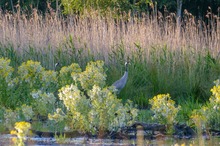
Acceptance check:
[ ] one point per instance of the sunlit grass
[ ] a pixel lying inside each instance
(165, 58)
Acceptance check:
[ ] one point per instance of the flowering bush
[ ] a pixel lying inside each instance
(10, 118)
(213, 111)
(164, 109)
(93, 75)
(43, 103)
(89, 105)
(22, 130)
(27, 92)
(199, 118)
(30, 72)
(48, 81)
(100, 112)
(66, 72)
(16, 87)
(36, 77)
(96, 110)
(107, 110)
(215, 98)
(27, 112)
(5, 70)
(208, 116)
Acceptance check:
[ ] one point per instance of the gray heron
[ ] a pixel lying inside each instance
(120, 84)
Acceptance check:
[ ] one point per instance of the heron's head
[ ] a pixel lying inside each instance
(126, 65)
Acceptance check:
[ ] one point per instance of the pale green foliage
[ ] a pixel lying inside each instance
(49, 81)
(164, 108)
(93, 75)
(61, 139)
(43, 102)
(30, 72)
(97, 109)
(57, 116)
(199, 117)
(68, 6)
(77, 105)
(107, 110)
(24, 112)
(36, 76)
(27, 111)
(102, 110)
(5, 70)
(66, 72)
(73, 6)
(30, 76)
(10, 117)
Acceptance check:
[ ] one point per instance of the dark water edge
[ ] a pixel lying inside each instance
(139, 134)
(6, 140)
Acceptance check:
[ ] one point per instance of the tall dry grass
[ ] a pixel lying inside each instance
(102, 34)
(180, 59)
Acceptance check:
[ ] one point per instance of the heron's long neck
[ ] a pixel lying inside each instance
(125, 76)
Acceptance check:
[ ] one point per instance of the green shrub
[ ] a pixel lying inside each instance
(66, 72)
(213, 106)
(94, 74)
(164, 110)
(74, 6)
(208, 116)
(6, 72)
(92, 107)
(43, 102)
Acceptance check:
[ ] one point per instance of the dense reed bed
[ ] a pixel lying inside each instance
(166, 57)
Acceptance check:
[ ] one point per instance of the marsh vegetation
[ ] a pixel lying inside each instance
(182, 60)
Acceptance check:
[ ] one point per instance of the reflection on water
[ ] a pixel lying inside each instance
(5, 140)
(170, 141)
(139, 140)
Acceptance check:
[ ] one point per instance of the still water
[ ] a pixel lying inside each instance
(6, 140)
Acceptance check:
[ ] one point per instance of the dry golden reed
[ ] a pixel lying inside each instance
(101, 34)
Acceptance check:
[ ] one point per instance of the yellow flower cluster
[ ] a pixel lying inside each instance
(215, 98)
(164, 108)
(22, 130)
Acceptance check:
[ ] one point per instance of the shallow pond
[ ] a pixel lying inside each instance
(6, 139)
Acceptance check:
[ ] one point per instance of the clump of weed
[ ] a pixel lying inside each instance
(91, 106)
(164, 110)
(22, 131)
